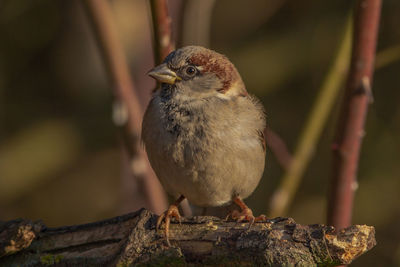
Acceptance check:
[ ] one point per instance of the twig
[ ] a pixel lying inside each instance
(311, 133)
(163, 43)
(350, 131)
(387, 56)
(128, 110)
(278, 148)
(196, 22)
(131, 240)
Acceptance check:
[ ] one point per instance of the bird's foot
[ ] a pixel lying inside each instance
(171, 212)
(246, 214)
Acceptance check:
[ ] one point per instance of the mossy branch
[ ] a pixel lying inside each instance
(131, 239)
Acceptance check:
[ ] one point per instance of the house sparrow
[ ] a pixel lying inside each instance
(203, 133)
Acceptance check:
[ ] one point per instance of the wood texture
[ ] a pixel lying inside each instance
(131, 239)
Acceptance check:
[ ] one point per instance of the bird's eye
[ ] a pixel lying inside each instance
(190, 70)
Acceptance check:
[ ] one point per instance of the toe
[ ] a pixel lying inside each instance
(176, 215)
(261, 218)
(172, 212)
(244, 215)
(251, 220)
(160, 220)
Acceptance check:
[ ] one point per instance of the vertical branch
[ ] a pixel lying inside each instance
(197, 19)
(284, 195)
(163, 43)
(128, 111)
(350, 131)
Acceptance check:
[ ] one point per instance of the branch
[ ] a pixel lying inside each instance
(132, 239)
(197, 22)
(350, 131)
(163, 43)
(387, 57)
(128, 111)
(278, 148)
(310, 135)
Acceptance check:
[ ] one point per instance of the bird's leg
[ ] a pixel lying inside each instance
(246, 214)
(172, 211)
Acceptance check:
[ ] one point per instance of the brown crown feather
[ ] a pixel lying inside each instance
(221, 66)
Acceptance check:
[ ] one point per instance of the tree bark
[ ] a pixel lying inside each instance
(131, 239)
(350, 130)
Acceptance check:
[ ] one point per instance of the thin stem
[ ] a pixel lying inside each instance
(128, 111)
(163, 43)
(278, 148)
(283, 197)
(350, 131)
(387, 57)
(197, 21)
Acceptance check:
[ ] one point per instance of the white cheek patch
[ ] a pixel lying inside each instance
(224, 96)
(236, 89)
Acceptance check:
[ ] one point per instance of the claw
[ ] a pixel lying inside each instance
(245, 215)
(178, 217)
(261, 218)
(227, 216)
(172, 211)
(166, 217)
(159, 220)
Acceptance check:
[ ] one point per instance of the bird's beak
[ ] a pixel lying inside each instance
(163, 74)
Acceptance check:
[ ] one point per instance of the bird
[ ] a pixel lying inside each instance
(204, 133)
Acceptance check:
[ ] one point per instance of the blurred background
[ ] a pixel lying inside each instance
(61, 156)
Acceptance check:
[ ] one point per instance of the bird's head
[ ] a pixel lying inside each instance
(197, 72)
